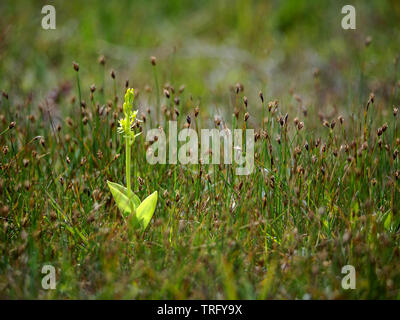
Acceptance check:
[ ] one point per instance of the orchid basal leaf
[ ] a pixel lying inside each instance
(134, 198)
(121, 199)
(146, 209)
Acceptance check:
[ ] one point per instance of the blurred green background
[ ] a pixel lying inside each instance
(208, 46)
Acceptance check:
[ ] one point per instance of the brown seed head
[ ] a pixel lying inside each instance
(102, 60)
(260, 94)
(166, 93)
(371, 97)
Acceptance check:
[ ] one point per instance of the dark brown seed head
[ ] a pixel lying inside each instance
(166, 93)
(395, 111)
(113, 74)
(11, 125)
(300, 125)
(236, 113)
(92, 88)
(188, 120)
(260, 94)
(238, 87)
(371, 97)
(333, 123)
(127, 84)
(76, 66)
(5, 95)
(341, 119)
(176, 101)
(245, 101)
(384, 127)
(196, 111)
(296, 121)
(153, 60)
(102, 60)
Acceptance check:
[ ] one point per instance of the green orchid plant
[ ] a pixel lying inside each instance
(136, 212)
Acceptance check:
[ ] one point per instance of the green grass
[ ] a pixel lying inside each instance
(321, 197)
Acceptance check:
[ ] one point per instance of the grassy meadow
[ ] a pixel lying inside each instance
(323, 102)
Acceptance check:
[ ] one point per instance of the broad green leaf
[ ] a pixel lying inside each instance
(388, 221)
(121, 199)
(146, 209)
(134, 198)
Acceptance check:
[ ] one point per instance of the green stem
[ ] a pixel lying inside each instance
(128, 166)
(157, 94)
(79, 103)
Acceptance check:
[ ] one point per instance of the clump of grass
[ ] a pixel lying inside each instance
(321, 182)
